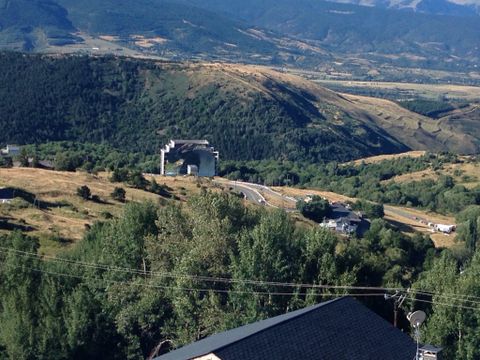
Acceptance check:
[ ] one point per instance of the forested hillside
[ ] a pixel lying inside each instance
(139, 105)
(248, 113)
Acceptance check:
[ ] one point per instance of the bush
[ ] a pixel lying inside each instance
(315, 209)
(119, 175)
(84, 192)
(106, 215)
(118, 194)
(137, 180)
(371, 210)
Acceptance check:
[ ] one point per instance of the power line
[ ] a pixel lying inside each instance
(236, 291)
(97, 266)
(198, 277)
(53, 273)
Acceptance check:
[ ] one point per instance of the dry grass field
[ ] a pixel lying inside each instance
(431, 91)
(64, 217)
(467, 174)
(379, 158)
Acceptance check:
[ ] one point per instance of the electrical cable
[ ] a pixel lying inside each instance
(458, 297)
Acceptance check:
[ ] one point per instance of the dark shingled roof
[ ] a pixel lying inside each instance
(341, 329)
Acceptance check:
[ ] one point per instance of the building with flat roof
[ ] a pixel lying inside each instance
(183, 156)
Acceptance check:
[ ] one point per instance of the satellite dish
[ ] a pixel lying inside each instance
(416, 318)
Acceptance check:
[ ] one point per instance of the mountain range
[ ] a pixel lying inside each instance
(438, 7)
(301, 33)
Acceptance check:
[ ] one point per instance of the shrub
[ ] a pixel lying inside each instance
(118, 194)
(84, 192)
(119, 175)
(315, 209)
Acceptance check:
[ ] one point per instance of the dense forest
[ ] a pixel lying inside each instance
(159, 277)
(136, 106)
(154, 276)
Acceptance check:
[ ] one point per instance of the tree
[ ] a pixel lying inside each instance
(154, 187)
(19, 298)
(118, 194)
(119, 175)
(84, 192)
(6, 162)
(23, 157)
(316, 209)
(137, 180)
(469, 227)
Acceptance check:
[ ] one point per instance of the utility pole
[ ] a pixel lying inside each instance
(398, 299)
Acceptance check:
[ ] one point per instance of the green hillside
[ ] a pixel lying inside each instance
(29, 24)
(248, 113)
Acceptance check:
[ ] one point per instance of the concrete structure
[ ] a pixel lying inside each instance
(429, 352)
(185, 153)
(446, 229)
(11, 150)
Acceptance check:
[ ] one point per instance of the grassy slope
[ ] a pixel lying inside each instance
(63, 222)
(66, 215)
(467, 174)
(379, 158)
(420, 132)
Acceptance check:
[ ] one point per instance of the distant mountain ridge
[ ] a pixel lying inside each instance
(301, 33)
(382, 35)
(437, 7)
(153, 26)
(28, 24)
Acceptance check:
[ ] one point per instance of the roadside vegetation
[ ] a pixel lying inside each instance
(373, 182)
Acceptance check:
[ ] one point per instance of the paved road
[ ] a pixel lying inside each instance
(252, 192)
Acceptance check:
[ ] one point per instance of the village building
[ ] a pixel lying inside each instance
(338, 329)
(345, 221)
